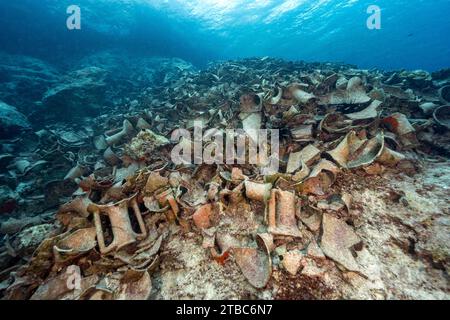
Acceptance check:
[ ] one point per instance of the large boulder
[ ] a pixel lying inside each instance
(24, 80)
(80, 93)
(129, 72)
(12, 121)
(8, 200)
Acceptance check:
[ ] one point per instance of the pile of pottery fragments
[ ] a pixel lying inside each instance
(123, 197)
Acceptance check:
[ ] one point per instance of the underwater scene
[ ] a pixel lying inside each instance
(224, 150)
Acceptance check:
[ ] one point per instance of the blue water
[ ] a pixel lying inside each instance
(413, 35)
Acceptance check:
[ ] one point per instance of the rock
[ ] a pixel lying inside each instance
(208, 239)
(139, 71)
(428, 107)
(441, 74)
(337, 240)
(5, 160)
(12, 225)
(144, 144)
(281, 250)
(417, 79)
(202, 217)
(12, 122)
(24, 80)
(80, 93)
(29, 239)
(8, 200)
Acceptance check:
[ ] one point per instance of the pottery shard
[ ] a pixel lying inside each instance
(368, 113)
(337, 240)
(303, 132)
(237, 174)
(355, 93)
(254, 264)
(312, 221)
(314, 250)
(292, 262)
(282, 214)
(257, 191)
(58, 288)
(202, 217)
(250, 103)
(155, 181)
(12, 122)
(79, 241)
(307, 155)
(135, 290)
(399, 124)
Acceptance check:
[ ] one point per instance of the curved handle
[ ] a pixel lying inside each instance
(100, 238)
(138, 215)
